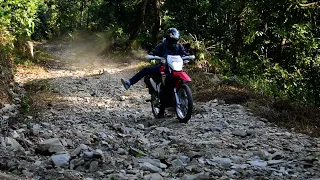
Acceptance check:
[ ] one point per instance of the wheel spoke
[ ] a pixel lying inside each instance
(155, 104)
(185, 103)
(183, 106)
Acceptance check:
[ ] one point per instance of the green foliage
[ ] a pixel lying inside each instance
(25, 105)
(18, 16)
(273, 52)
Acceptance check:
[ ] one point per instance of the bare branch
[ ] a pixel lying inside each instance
(317, 4)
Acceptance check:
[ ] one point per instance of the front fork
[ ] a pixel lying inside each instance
(177, 97)
(163, 74)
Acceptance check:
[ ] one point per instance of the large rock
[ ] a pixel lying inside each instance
(136, 152)
(61, 160)
(51, 146)
(240, 132)
(94, 165)
(178, 163)
(98, 153)
(13, 144)
(76, 162)
(3, 142)
(149, 167)
(8, 108)
(154, 176)
(155, 162)
(78, 150)
(222, 161)
(200, 176)
(259, 163)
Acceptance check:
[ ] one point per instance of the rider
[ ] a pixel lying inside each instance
(169, 46)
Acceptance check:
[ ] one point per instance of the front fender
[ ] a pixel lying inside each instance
(181, 75)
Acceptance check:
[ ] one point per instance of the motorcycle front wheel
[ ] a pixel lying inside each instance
(185, 105)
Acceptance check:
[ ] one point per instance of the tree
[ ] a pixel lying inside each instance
(135, 27)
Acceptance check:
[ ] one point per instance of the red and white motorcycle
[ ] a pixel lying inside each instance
(173, 85)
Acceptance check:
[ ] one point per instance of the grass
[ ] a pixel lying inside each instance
(6, 76)
(40, 95)
(289, 114)
(41, 58)
(4, 95)
(39, 92)
(283, 113)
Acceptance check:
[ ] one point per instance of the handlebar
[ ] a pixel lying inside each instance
(188, 57)
(149, 57)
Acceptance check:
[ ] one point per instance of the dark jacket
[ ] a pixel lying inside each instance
(162, 50)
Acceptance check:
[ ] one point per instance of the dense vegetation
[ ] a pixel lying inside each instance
(271, 45)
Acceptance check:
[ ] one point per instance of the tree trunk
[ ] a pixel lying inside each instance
(238, 37)
(135, 27)
(238, 40)
(88, 14)
(59, 18)
(81, 14)
(157, 21)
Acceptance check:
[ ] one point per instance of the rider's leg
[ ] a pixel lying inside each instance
(166, 93)
(152, 70)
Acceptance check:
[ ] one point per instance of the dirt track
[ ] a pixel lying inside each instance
(104, 131)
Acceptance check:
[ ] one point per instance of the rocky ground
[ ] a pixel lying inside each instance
(94, 129)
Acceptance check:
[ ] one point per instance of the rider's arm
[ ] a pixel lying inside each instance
(158, 50)
(182, 51)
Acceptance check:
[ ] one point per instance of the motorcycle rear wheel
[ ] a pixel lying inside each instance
(157, 109)
(184, 109)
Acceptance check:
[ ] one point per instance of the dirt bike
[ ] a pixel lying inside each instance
(171, 86)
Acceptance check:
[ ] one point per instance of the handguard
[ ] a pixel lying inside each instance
(151, 57)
